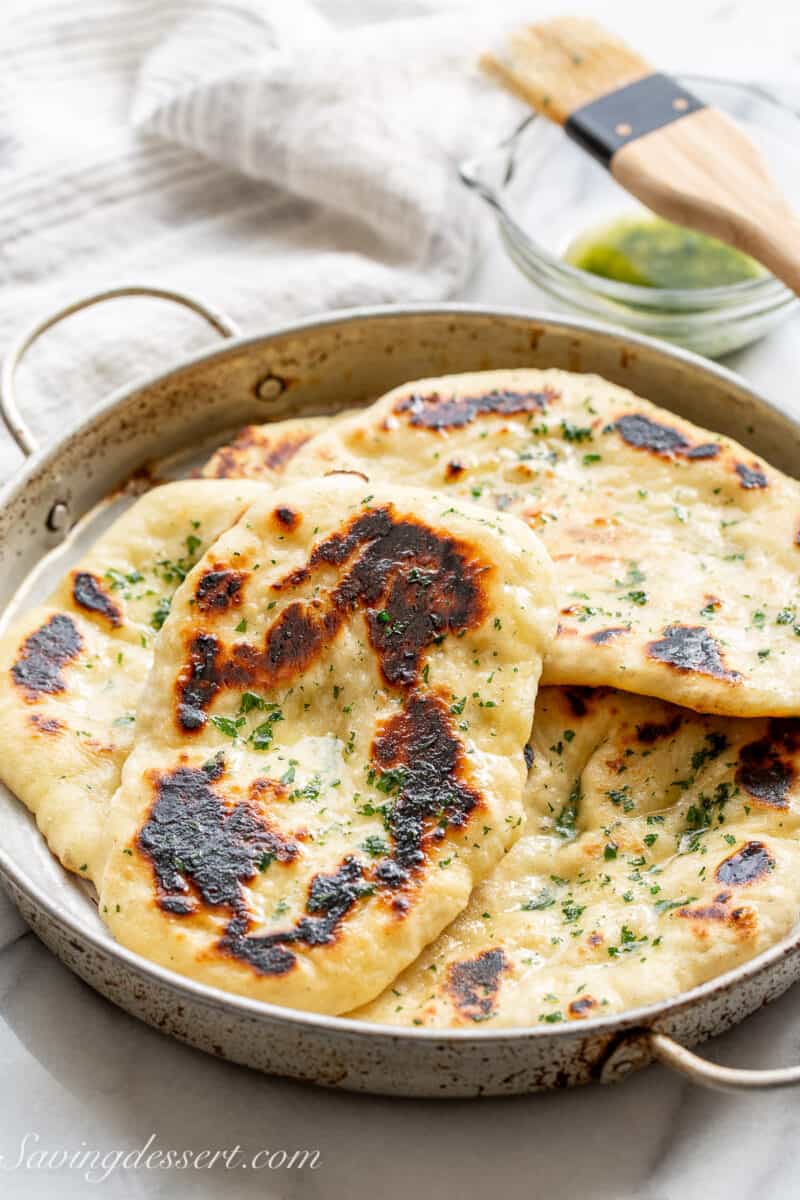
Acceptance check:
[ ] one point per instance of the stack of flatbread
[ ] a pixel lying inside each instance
(284, 717)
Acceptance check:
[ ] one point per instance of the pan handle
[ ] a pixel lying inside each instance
(645, 1045)
(17, 426)
(712, 1075)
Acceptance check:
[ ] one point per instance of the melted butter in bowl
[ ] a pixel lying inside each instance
(647, 251)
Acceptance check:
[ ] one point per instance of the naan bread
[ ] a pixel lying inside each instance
(660, 849)
(263, 451)
(677, 553)
(71, 671)
(329, 750)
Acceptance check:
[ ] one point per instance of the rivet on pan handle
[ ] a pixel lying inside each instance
(645, 1045)
(17, 426)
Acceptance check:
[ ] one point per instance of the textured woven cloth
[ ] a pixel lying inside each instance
(274, 157)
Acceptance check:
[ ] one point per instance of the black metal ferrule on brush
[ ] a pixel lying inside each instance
(608, 124)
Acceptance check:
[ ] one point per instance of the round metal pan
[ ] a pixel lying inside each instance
(322, 365)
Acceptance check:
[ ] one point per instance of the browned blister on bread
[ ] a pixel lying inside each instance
(71, 671)
(676, 550)
(660, 849)
(330, 749)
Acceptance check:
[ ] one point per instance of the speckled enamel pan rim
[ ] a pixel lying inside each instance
(216, 998)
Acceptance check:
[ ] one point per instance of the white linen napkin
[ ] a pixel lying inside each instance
(252, 151)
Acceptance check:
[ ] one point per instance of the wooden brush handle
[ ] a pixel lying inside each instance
(776, 246)
(704, 173)
(689, 163)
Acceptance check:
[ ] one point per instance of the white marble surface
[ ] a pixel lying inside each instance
(75, 1072)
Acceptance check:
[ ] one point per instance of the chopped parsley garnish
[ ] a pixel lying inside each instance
(262, 735)
(628, 943)
(161, 612)
(715, 744)
(665, 906)
(565, 821)
(572, 912)
(120, 581)
(544, 899)
(228, 725)
(575, 433)
(388, 782)
(309, 791)
(621, 796)
(375, 846)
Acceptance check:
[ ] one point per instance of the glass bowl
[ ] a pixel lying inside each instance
(546, 191)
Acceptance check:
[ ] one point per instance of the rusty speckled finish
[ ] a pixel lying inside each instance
(324, 365)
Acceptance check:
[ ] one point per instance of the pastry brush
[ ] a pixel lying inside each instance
(686, 161)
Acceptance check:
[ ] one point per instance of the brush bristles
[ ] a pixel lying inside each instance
(558, 66)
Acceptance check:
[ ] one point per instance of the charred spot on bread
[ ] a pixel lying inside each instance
(651, 732)
(49, 725)
(218, 590)
(751, 477)
(474, 983)
(203, 850)
(579, 1009)
(414, 585)
(580, 699)
(704, 912)
(691, 648)
(198, 681)
(200, 848)
(747, 864)
(768, 766)
(269, 451)
(643, 433)
(89, 594)
(286, 518)
(704, 450)
(601, 636)
(44, 653)
(330, 898)
(437, 412)
(418, 746)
